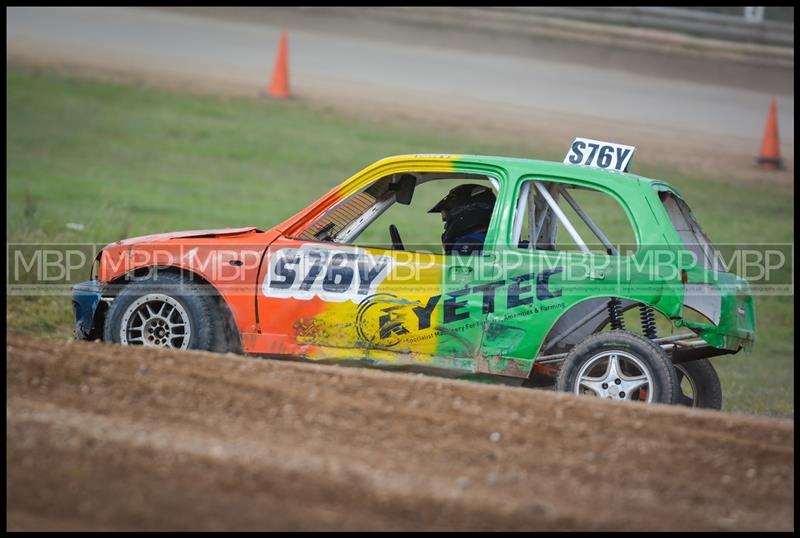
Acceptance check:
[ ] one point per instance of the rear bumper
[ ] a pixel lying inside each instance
(735, 327)
(85, 301)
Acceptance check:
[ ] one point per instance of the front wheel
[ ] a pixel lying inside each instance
(619, 365)
(167, 310)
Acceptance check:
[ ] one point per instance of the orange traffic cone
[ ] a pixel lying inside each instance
(770, 156)
(279, 87)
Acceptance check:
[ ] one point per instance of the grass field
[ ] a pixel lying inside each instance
(125, 161)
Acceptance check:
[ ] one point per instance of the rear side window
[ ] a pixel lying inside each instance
(689, 230)
(563, 217)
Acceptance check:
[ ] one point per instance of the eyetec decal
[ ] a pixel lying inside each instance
(335, 274)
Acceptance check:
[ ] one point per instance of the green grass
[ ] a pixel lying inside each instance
(126, 161)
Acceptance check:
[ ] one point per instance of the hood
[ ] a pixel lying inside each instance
(154, 238)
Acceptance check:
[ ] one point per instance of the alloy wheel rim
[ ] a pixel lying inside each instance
(615, 375)
(156, 320)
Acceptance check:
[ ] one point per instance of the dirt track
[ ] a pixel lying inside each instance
(105, 437)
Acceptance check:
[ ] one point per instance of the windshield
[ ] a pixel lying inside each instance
(337, 219)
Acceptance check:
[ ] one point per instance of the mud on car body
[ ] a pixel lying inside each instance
(525, 309)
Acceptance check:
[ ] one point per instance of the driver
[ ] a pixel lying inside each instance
(466, 212)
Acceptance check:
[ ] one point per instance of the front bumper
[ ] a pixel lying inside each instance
(85, 301)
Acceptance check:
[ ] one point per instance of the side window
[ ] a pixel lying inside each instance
(365, 218)
(563, 217)
(423, 227)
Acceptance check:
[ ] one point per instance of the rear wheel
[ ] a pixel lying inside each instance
(699, 384)
(619, 365)
(166, 310)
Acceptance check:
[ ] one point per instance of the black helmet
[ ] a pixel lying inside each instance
(465, 208)
(472, 218)
(462, 196)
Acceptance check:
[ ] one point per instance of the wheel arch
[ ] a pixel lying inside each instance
(582, 319)
(117, 284)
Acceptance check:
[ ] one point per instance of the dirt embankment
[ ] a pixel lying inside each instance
(105, 437)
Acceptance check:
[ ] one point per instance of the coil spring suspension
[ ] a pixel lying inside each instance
(615, 314)
(648, 321)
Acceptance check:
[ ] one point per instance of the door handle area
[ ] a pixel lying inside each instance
(596, 274)
(460, 271)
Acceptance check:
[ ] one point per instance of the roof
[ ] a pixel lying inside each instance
(533, 166)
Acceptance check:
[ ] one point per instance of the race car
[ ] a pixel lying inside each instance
(525, 287)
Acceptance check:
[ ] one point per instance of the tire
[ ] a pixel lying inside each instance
(167, 310)
(698, 385)
(647, 374)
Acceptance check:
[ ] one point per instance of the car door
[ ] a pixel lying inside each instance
(328, 292)
(564, 258)
(333, 301)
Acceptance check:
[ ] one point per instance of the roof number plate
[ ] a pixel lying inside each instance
(599, 154)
